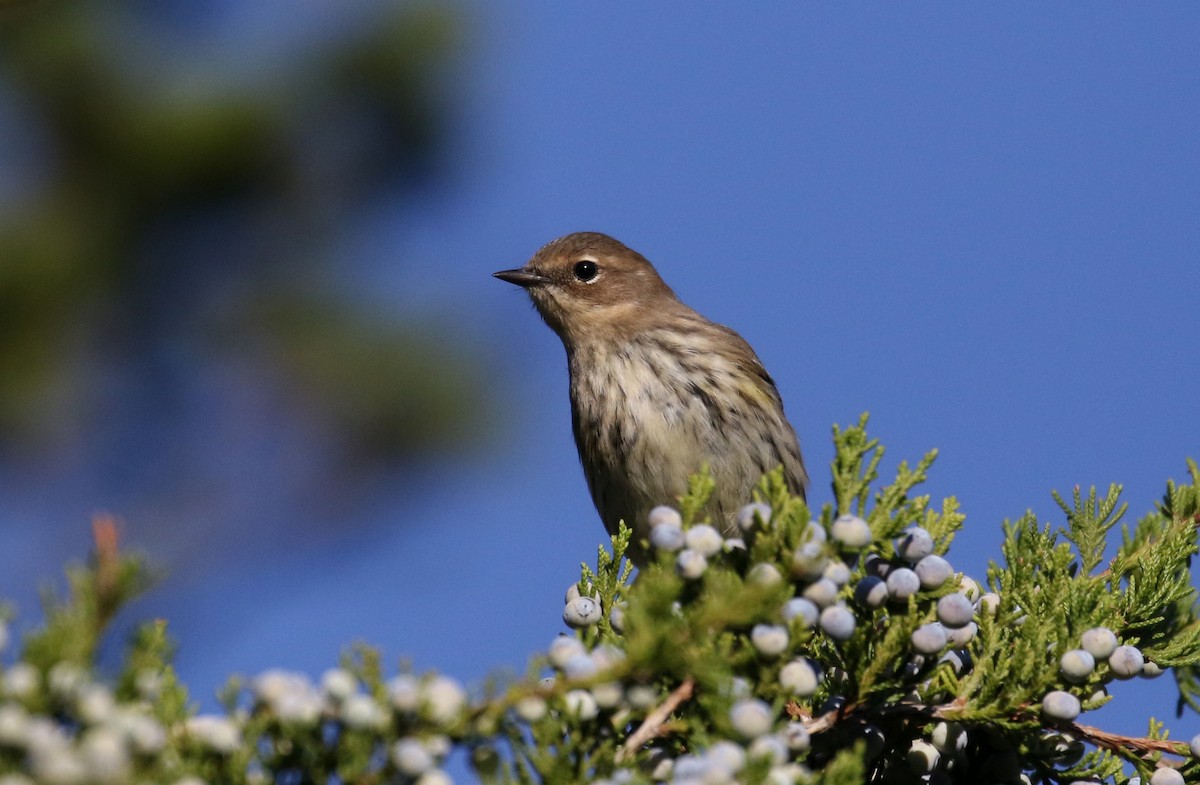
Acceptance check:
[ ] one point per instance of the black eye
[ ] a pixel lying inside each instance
(586, 270)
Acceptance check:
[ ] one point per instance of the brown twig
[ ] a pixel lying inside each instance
(1117, 742)
(108, 566)
(655, 721)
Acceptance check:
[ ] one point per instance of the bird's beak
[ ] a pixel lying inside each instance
(522, 278)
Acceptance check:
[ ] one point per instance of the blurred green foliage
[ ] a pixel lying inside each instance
(182, 202)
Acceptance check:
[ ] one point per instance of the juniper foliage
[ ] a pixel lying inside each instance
(696, 675)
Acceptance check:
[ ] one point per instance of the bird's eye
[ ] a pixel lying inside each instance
(586, 271)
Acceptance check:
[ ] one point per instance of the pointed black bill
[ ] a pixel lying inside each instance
(522, 278)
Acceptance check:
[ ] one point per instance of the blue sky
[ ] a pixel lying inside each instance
(976, 222)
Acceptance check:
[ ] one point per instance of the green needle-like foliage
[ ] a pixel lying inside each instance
(795, 655)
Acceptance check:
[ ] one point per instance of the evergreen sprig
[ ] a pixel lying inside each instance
(791, 646)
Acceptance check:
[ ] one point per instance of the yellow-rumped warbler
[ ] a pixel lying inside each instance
(657, 390)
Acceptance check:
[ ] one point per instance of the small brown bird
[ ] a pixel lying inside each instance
(657, 390)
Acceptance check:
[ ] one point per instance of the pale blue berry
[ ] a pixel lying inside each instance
(1076, 665)
(339, 683)
(929, 638)
(949, 737)
(902, 583)
(933, 571)
(799, 677)
(837, 622)
(667, 537)
(641, 696)
(445, 699)
(562, 649)
(769, 640)
(581, 704)
(959, 660)
(531, 708)
(809, 561)
(361, 711)
(1100, 642)
(871, 592)
(404, 692)
(1060, 706)
(837, 572)
(751, 718)
(581, 612)
(616, 617)
(690, 564)
(580, 666)
(1126, 662)
(915, 545)
(1194, 746)
(434, 777)
(823, 592)
(769, 747)
(727, 754)
(764, 575)
(989, 603)
(608, 695)
(851, 531)
(961, 636)
(411, 757)
(1151, 670)
(955, 610)
(803, 609)
(1165, 775)
(665, 515)
(876, 565)
(815, 532)
(753, 515)
(703, 539)
(797, 737)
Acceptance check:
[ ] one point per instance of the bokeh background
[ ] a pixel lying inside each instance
(246, 304)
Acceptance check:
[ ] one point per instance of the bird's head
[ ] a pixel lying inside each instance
(587, 285)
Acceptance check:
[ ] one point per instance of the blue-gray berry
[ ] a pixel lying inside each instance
(955, 610)
(769, 640)
(690, 564)
(851, 532)
(1076, 665)
(703, 539)
(1165, 775)
(799, 677)
(823, 592)
(751, 718)
(837, 622)
(1100, 642)
(796, 736)
(902, 583)
(871, 592)
(961, 636)
(837, 572)
(803, 609)
(667, 537)
(809, 561)
(933, 571)
(1126, 662)
(915, 544)
(929, 638)
(1060, 706)
(753, 515)
(665, 514)
(581, 612)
